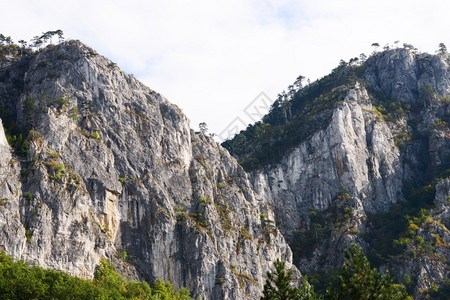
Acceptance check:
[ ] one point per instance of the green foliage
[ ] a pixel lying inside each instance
(29, 110)
(74, 113)
(74, 181)
(28, 196)
(343, 194)
(323, 225)
(19, 281)
(24, 172)
(427, 92)
(410, 236)
(18, 140)
(440, 293)
(108, 278)
(59, 167)
(181, 215)
(267, 226)
(95, 135)
(39, 41)
(200, 220)
(384, 229)
(243, 234)
(278, 286)
(203, 201)
(306, 292)
(224, 213)
(394, 233)
(305, 241)
(401, 139)
(321, 279)
(28, 235)
(391, 232)
(167, 291)
(62, 103)
(19, 137)
(359, 281)
(392, 111)
(58, 171)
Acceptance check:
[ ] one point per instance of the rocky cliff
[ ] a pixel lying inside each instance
(102, 166)
(316, 171)
(94, 164)
(378, 150)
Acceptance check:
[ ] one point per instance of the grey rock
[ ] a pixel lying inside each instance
(113, 167)
(360, 153)
(355, 152)
(400, 74)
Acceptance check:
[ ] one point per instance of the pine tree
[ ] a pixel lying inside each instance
(277, 285)
(307, 292)
(203, 127)
(442, 49)
(359, 281)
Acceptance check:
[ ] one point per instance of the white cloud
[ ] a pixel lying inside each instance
(214, 57)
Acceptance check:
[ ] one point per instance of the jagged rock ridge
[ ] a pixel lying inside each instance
(112, 166)
(387, 131)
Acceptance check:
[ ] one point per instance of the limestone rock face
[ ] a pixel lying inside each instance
(401, 74)
(361, 161)
(3, 142)
(355, 152)
(112, 168)
(103, 166)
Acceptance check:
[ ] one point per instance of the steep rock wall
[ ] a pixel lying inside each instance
(356, 152)
(362, 160)
(114, 167)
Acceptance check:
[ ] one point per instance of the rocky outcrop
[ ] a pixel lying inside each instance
(10, 190)
(425, 263)
(401, 74)
(103, 166)
(356, 152)
(354, 156)
(361, 161)
(112, 169)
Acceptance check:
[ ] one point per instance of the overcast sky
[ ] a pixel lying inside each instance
(213, 58)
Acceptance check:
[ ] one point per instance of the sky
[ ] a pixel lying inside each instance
(224, 62)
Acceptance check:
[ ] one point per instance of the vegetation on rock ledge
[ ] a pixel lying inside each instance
(293, 117)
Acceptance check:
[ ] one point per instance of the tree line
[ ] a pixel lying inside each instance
(10, 51)
(37, 41)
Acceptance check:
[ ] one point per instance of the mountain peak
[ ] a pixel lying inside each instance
(359, 156)
(401, 74)
(97, 165)
(100, 164)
